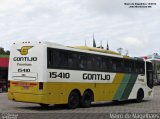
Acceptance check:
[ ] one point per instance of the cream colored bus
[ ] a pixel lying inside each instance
(48, 73)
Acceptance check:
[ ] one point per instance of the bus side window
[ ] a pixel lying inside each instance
(110, 64)
(63, 59)
(113, 66)
(104, 64)
(98, 61)
(149, 74)
(89, 62)
(52, 58)
(141, 67)
(119, 65)
(136, 67)
(95, 62)
(132, 66)
(82, 61)
(72, 60)
(126, 66)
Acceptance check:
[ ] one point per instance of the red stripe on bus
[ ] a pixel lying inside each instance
(33, 84)
(14, 82)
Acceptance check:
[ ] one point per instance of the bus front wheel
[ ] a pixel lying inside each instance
(86, 99)
(140, 96)
(73, 100)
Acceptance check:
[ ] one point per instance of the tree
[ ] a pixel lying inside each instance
(2, 50)
(120, 50)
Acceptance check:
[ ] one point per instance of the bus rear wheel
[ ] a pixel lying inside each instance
(86, 99)
(73, 100)
(140, 96)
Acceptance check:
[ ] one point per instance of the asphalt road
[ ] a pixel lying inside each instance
(97, 110)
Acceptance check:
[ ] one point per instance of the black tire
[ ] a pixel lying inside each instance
(140, 96)
(86, 99)
(73, 100)
(115, 101)
(44, 105)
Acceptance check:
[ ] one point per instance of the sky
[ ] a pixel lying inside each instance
(72, 22)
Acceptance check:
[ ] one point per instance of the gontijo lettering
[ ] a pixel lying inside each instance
(96, 76)
(25, 59)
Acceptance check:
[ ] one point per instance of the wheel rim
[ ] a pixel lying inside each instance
(87, 99)
(74, 100)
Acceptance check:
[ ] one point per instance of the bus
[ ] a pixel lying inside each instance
(156, 71)
(155, 59)
(47, 73)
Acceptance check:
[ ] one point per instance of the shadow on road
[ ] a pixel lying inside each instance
(64, 107)
(117, 103)
(39, 108)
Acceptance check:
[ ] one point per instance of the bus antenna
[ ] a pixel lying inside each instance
(107, 46)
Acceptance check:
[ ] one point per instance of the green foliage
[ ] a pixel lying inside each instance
(3, 52)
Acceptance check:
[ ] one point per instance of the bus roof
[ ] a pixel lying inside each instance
(96, 49)
(84, 49)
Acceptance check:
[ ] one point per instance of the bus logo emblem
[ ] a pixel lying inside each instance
(24, 50)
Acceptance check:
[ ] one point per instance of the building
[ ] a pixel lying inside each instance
(4, 61)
